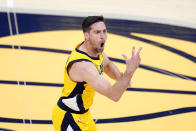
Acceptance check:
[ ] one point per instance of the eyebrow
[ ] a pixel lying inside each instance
(101, 30)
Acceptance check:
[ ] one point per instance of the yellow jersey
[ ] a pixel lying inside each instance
(77, 97)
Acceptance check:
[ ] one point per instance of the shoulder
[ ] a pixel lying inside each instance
(83, 65)
(81, 71)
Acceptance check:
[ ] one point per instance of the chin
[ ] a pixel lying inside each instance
(100, 50)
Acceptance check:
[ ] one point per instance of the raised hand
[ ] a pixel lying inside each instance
(133, 62)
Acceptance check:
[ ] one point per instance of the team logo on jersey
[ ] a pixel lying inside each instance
(101, 68)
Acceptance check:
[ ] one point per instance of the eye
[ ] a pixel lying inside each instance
(97, 32)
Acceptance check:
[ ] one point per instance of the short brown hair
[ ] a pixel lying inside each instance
(88, 21)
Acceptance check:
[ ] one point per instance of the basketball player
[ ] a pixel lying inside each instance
(83, 77)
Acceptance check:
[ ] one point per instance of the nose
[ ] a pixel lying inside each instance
(102, 35)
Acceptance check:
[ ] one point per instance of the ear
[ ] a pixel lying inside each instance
(86, 35)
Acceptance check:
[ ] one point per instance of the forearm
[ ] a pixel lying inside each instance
(112, 71)
(120, 87)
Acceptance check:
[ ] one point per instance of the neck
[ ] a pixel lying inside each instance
(86, 47)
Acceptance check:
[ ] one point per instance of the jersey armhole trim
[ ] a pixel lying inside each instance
(74, 61)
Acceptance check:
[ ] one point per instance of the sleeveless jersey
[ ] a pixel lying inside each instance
(77, 97)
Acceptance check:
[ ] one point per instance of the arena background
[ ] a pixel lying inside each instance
(36, 38)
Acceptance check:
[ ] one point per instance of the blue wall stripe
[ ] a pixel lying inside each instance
(173, 50)
(3, 129)
(36, 48)
(46, 49)
(27, 121)
(125, 27)
(34, 23)
(31, 83)
(38, 22)
(6, 46)
(149, 116)
(129, 89)
(113, 120)
(4, 26)
(162, 91)
(157, 70)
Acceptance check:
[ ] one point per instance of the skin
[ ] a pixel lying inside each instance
(86, 71)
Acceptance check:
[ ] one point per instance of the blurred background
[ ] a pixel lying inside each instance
(36, 38)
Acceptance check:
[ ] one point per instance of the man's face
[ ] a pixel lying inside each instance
(97, 36)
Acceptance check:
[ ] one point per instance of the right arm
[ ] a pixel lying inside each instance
(86, 71)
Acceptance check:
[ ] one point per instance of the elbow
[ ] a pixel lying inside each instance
(115, 98)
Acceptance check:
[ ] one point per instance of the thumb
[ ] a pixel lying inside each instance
(125, 57)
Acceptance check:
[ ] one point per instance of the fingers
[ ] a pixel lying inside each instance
(138, 52)
(133, 50)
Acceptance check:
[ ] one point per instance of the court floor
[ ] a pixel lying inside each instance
(32, 63)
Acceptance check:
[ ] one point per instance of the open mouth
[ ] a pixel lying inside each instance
(102, 44)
